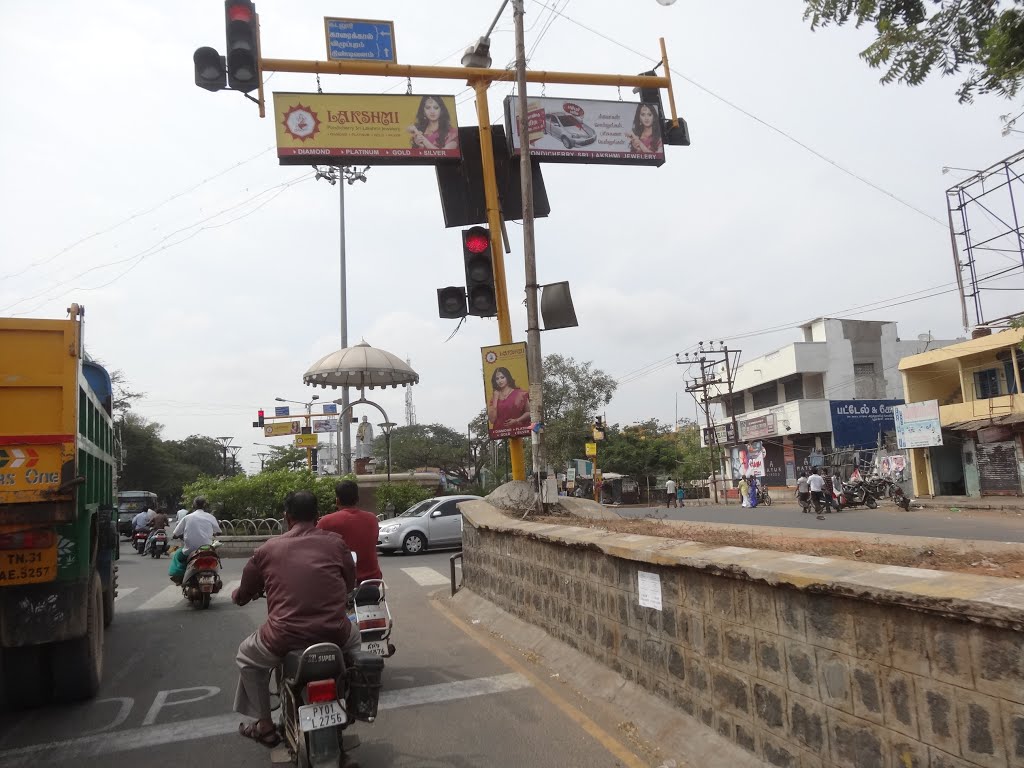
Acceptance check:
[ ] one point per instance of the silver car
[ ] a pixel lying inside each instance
(571, 131)
(434, 522)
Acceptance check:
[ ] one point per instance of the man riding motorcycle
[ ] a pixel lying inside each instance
(357, 527)
(157, 523)
(197, 529)
(306, 575)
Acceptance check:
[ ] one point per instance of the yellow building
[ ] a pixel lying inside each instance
(977, 384)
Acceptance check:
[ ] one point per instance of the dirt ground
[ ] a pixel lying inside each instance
(979, 562)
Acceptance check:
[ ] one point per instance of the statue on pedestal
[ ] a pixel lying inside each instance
(364, 440)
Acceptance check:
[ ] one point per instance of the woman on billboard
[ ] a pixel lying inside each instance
(646, 133)
(433, 128)
(509, 405)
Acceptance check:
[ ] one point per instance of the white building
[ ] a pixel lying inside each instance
(789, 399)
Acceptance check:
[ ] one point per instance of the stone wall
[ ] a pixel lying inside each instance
(801, 668)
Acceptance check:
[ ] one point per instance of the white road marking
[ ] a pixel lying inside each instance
(112, 742)
(426, 577)
(124, 592)
(165, 598)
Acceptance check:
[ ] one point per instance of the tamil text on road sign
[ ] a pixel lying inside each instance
(281, 428)
(337, 127)
(306, 441)
(360, 40)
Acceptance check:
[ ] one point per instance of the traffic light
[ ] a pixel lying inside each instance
(314, 457)
(476, 252)
(451, 302)
(651, 95)
(210, 69)
(243, 61)
(672, 136)
(259, 418)
(598, 428)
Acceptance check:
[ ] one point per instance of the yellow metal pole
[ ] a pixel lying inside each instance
(471, 74)
(515, 444)
(259, 92)
(668, 76)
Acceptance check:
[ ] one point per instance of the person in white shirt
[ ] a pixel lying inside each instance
(670, 493)
(197, 529)
(816, 483)
(181, 515)
(803, 492)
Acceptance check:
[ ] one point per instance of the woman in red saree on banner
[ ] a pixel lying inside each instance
(433, 128)
(646, 133)
(509, 406)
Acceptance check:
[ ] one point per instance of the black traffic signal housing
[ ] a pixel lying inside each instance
(314, 457)
(259, 419)
(476, 253)
(598, 428)
(672, 136)
(243, 58)
(451, 302)
(210, 69)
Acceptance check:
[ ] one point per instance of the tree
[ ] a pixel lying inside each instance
(285, 457)
(649, 449)
(427, 445)
(573, 394)
(915, 37)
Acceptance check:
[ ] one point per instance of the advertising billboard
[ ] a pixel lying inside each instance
(589, 131)
(506, 390)
(918, 425)
(339, 128)
(860, 423)
(325, 425)
(282, 428)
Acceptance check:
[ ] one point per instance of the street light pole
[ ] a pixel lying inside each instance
(534, 359)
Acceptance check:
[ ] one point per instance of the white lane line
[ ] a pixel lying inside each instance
(165, 598)
(124, 592)
(426, 577)
(222, 725)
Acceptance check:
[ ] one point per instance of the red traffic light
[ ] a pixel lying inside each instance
(476, 240)
(240, 12)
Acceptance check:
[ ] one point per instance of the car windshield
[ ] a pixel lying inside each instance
(572, 122)
(418, 510)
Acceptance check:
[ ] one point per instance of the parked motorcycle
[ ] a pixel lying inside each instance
(159, 544)
(139, 540)
(883, 487)
(369, 611)
(763, 497)
(202, 578)
(322, 693)
(857, 494)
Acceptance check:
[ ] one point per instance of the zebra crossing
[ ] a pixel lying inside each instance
(165, 598)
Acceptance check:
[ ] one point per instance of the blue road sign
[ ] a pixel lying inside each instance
(280, 410)
(360, 40)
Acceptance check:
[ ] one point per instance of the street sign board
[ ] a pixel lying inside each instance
(360, 40)
(306, 441)
(591, 449)
(330, 408)
(281, 410)
(281, 428)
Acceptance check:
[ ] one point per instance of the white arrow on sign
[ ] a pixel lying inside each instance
(19, 457)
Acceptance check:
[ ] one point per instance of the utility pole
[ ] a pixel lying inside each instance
(703, 385)
(534, 359)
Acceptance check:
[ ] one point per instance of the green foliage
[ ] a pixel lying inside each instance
(285, 457)
(573, 394)
(426, 445)
(650, 449)
(261, 495)
(402, 494)
(916, 37)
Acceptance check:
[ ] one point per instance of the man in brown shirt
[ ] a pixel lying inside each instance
(306, 575)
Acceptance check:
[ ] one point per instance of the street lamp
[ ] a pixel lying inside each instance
(386, 427)
(224, 443)
(263, 458)
(947, 168)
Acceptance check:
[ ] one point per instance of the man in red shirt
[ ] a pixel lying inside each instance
(307, 575)
(357, 527)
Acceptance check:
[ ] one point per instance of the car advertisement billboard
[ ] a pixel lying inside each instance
(340, 128)
(506, 390)
(588, 131)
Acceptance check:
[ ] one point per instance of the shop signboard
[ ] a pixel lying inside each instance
(917, 425)
(860, 423)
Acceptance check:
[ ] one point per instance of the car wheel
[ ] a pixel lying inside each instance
(414, 544)
(567, 142)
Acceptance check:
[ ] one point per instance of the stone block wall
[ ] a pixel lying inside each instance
(801, 678)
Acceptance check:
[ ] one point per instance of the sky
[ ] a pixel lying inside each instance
(209, 272)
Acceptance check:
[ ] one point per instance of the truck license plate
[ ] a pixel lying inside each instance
(27, 566)
(328, 714)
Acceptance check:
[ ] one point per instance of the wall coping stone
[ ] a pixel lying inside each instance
(982, 599)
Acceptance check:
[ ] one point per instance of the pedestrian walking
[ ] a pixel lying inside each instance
(830, 497)
(803, 492)
(744, 488)
(817, 485)
(670, 493)
(681, 495)
(753, 491)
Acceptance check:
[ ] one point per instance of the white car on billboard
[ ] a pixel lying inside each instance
(571, 131)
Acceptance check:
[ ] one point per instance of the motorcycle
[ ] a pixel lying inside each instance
(158, 543)
(882, 487)
(856, 495)
(139, 538)
(763, 497)
(202, 580)
(323, 692)
(369, 610)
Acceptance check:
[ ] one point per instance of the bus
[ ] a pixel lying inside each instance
(129, 504)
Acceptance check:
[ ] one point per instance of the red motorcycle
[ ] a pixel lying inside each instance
(202, 578)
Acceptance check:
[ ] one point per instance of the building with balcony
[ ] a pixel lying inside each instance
(833, 389)
(977, 386)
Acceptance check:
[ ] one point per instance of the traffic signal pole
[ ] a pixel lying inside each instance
(481, 79)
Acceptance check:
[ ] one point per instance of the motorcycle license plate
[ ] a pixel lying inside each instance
(327, 714)
(206, 580)
(378, 647)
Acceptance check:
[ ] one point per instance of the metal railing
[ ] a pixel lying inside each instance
(265, 526)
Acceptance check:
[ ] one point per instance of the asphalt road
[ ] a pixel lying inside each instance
(968, 524)
(450, 698)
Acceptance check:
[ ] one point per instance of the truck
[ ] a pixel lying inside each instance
(58, 535)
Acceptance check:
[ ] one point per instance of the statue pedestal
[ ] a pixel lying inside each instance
(361, 466)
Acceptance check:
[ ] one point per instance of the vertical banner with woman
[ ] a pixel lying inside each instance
(506, 390)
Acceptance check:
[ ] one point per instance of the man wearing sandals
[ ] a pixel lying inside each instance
(306, 575)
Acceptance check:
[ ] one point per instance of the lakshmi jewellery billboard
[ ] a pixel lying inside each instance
(588, 131)
(340, 128)
(506, 389)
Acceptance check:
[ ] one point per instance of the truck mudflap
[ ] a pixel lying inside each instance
(32, 614)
